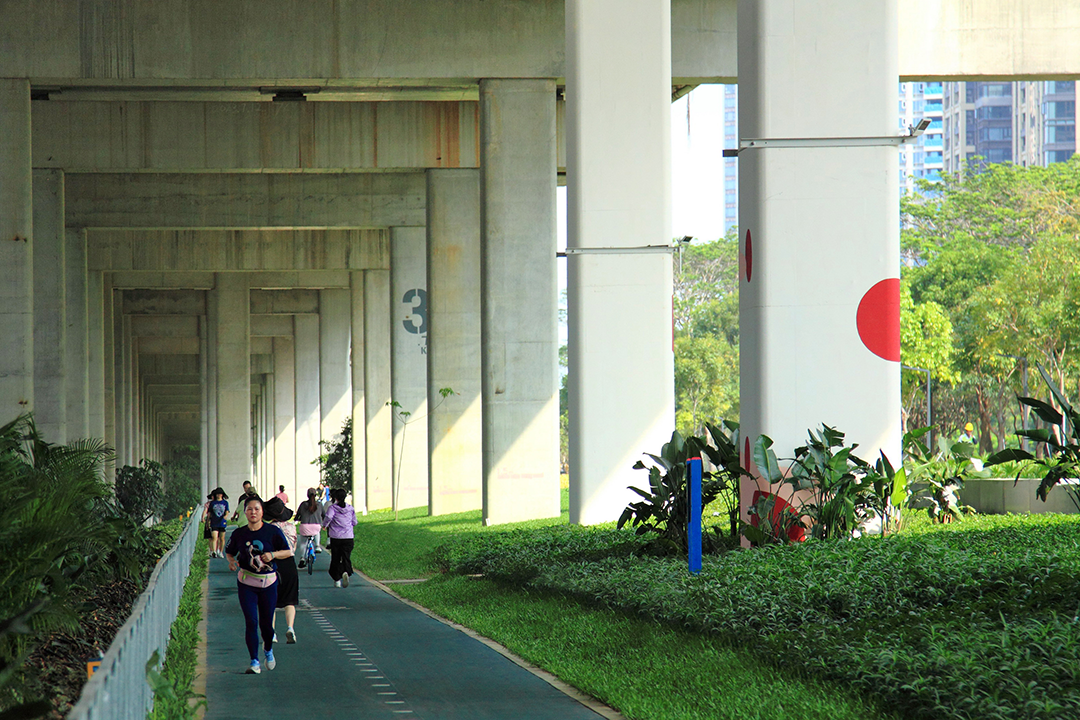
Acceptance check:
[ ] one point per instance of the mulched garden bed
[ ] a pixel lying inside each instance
(56, 670)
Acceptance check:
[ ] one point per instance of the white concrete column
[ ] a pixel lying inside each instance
(213, 477)
(123, 381)
(335, 377)
(95, 325)
(233, 327)
(16, 252)
(204, 407)
(285, 417)
(308, 415)
(108, 319)
(359, 390)
(518, 307)
(77, 359)
(819, 226)
(455, 424)
(50, 326)
(409, 331)
(621, 365)
(379, 432)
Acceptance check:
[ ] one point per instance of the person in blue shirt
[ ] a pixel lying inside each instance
(252, 552)
(217, 510)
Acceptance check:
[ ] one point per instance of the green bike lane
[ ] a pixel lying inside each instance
(363, 653)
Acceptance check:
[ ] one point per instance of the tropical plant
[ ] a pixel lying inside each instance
(182, 490)
(939, 476)
(1060, 461)
(405, 418)
(833, 492)
(139, 490)
(664, 508)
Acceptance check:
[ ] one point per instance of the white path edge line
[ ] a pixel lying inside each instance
(605, 711)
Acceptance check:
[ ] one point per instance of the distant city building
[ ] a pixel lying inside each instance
(922, 158)
(731, 169)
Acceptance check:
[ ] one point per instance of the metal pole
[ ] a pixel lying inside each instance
(693, 528)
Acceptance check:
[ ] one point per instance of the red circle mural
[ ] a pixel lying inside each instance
(748, 256)
(746, 454)
(878, 319)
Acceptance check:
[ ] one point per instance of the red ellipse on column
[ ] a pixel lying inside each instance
(878, 319)
(748, 255)
(746, 454)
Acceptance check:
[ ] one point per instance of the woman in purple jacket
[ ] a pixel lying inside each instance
(339, 521)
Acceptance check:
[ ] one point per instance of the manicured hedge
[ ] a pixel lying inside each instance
(976, 620)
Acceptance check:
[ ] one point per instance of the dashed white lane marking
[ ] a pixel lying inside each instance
(362, 663)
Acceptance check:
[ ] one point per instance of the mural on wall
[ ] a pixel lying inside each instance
(416, 318)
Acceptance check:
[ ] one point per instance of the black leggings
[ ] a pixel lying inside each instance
(258, 606)
(340, 557)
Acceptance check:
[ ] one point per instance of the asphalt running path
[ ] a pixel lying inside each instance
(362, 653)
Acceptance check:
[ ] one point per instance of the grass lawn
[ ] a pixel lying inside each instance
(642, 668)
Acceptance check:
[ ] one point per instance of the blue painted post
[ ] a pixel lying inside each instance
(693, 530)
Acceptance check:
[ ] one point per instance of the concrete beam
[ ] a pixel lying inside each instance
(165, 326)
(247, 250)
(165, 302)
(284, 302)
(245, 201)
(251, 136)
(271, 326)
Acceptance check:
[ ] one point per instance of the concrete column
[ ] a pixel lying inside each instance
(377, 388)
(455, 423)
(109, 370)
(308, 415)
(120, 360)
(16, 252)
(77, 369)
(95, 354)
(204, 408)
(233, 326)
(518, 306)
(50, 326)
(213, 478)
(409, 332)
(335, 377)
(359, 390)
(819, 226)
(621, 365)
(285, 417)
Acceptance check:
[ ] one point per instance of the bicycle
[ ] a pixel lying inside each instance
(309, 555)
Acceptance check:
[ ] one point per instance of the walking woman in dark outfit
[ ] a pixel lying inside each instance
(339, 522)
(288, 595)
(252, 552)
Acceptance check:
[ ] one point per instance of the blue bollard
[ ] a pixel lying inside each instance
(693, 529)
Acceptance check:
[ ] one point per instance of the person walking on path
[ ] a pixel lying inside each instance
(217, 510)
(242, 501)
(310, 514)
(288, 595)
(339, 521)
(252, 553)
(282, 495)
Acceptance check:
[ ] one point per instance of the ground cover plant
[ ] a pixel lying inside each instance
(971, 620)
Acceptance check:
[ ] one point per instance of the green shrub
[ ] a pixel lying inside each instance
(335, 465)
(139, 490)
(182, 488)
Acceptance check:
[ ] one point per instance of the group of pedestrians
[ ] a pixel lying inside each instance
(262, 551)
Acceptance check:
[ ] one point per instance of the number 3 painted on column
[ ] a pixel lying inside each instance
(419, 297)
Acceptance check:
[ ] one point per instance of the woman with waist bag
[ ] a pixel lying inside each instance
(251, 553)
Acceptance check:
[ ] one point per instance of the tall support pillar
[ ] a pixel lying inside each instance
(409, 330)
(379, 433)
(233, 329)
(204, 408)
(285, 418)
(455, 424)
(123, 385)
(308, 414)
(518, 300)
(211, 390)
(335, 380)
(108, 322)
(359, 392)
(16, 251)
(50, 294)
(95, 354)
(819, 317)
(78, 358)
(621, 365)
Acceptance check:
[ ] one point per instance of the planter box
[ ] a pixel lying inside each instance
(998, 495)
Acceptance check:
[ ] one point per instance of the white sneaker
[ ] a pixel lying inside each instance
(290, 636)
(254, 669)
(275, 638)
(337, 583)
(318, 549)
(271, 663)
(345, 580)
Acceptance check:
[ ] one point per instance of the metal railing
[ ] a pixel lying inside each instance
(118, 690)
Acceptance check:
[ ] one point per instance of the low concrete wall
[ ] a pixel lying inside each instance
(1000, 495)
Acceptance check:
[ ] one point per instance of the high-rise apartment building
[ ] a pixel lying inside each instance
(922, 158)
(731, 169)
